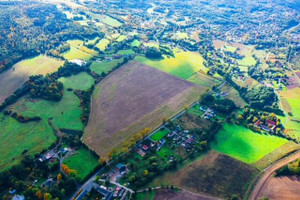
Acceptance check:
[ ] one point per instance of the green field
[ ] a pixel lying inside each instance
(243, 144)
(104, 66)
(160, 134)
(126, 52)
(145, 195)
(121, 38)
(184, 65)
(195, 111)
(110, 21)
(78, 51)
(83, 161)
(247, 61)
(65, 113)
(81, 81)
(135, 43)
(102, 44)
(16, 137)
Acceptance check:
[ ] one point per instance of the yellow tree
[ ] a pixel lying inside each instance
(101, 161)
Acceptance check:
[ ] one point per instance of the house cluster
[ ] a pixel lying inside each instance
(268, 126)
(209, 113)
(146, 145)
(182, 137)
(117, 173)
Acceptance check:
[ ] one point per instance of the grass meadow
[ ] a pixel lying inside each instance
(17, 137)
(78, 51)
(184, 65)
(104, 66)
(243, 144)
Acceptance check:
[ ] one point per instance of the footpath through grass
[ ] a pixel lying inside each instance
(243, 144)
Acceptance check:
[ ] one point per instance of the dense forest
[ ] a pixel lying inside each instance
(30, 28)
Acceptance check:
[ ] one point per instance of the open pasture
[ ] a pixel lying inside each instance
(65, 113)
(184, 65)
(132, 98)
(17, 138)
(243, 144)
(13, 78)
(202, 79)
(104, 66)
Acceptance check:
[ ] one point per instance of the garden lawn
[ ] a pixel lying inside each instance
(104, 66)
(160, 134)
(195, 111)
(16, 137)
(243, 144)
(145, 195)
(184, 65)
(165, 153)
(81, 81)
(83, 161)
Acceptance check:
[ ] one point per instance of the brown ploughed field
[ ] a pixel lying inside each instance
(132, 98)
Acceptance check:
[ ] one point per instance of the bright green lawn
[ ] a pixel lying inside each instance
(83, 161)
(184, 65)
(160, 134)
(16, 137)
(104, 66)
(247, 61)
(243, 144)
(81, 81)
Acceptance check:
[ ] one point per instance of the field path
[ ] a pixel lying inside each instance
(267, 173)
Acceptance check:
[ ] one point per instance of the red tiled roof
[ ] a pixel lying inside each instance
(270, 122)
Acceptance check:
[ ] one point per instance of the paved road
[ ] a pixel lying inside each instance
(268, 172)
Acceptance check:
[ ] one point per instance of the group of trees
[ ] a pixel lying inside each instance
(292, 168)
(45, 87)
(153, 53)
(225, 106)
(21, 118)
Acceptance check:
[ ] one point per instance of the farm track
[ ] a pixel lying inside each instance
(264, 177)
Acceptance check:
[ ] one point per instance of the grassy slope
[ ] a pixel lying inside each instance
(78, 51)
(16, 137)
(81, 81)
(245, 145)
(83, 161)
(13, 79)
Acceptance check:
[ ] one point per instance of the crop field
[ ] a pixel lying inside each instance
(17, 138)
(212, 175)
(104, 66)
(83, 161)
(110, 21)
(160, 134)
(78, 51)
(184, 65)
(102, 44)
(243, 144)
(134, 97)
(65, 113)
(13, 78)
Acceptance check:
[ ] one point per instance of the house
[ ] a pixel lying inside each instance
(18, 197)
(271, 123)
(145, 147)
(121, 167)
(78, 62)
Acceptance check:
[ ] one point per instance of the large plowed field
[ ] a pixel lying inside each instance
(134, 97)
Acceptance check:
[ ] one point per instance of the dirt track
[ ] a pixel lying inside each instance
(262, 185)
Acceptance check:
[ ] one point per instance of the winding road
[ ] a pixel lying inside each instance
(266, 174)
